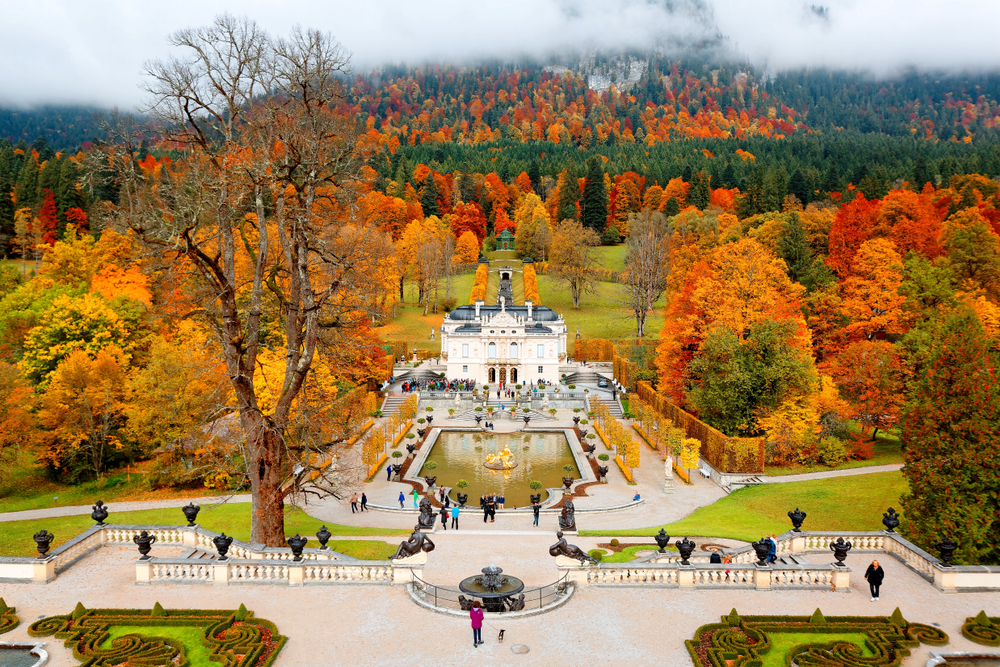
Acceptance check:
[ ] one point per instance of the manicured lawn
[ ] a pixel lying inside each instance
(231, 518)
(191, 637)
(841, 503)
(629, 553)
(888, 449)
(783, 642)
(610, 257)
(601, 314)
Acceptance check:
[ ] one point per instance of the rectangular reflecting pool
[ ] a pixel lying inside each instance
(540, 456)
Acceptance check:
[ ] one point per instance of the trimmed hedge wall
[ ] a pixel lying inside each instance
(235, 638)
(982, 629)
(743, 640)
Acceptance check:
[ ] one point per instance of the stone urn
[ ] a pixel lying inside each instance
(297, 544)
(479, 418)
(947, 548)
(583, 434)
(576, 420)
(662, 539)
(762, 549)
(463, 498)
(603, 471)
(420, 433)
(567, 482)
(100, 512)
(222, 543)
(396, 470)
(409, 451)
(191, 512)
(430, 418)
(323, 535)
(840, 549)
(590, 449)
(536, 498)
(145, 542)
(890, 520)
(431, 481)
(526, 418)
(797, 517)
(43, 539)
(685, 547)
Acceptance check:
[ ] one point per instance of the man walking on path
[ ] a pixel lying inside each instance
(354, 503)
(444, 518)
(402, 499)
(535, 507)
(364, 501)
(486, 509)
(454, 517)
(874, 574)
(388, 473)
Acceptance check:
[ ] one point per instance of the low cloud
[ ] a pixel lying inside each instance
(93, 52)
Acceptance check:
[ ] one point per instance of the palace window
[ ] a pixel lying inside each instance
(492, 351)
(513, 350)
(541, 370)
(465, 350)
(541, 351)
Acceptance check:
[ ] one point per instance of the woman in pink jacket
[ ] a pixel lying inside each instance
(476, 614)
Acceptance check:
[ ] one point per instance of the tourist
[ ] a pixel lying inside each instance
(388, 473)
(493, 511)
(444, 518)
(715, 558)
(402, 499)
(535, 508)
(772, 554)
(500, 503)
(486, 510)
(454, 517)
(614, 394)
(354, 503)
(874, 574)
(364, 502)
(441, 493)
(635, 498)
(414, 499)
(476, 614)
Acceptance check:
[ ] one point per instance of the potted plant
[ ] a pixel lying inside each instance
(572, 386)
(534, 485)
(479, 408)
(421, 421)
(603, 457)
(576, 410)
(461, 484)
(584, 421)
(451, 411)
(397, 454)
(430, 409)
(552, 411)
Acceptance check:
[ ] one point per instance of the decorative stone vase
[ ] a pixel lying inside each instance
(479, 418)
(323, 535)
(43, 539)
(603, 471)
(568, 482)
(430, 418)
(947, 548)
(840, 549)
(431, 481)
(100, 512)
(463, 498)
(191, 512)
(297, 544)
(409, 451)
(536, 498)
(396, 470)
(762, 549)
(576, 420)
(420, 434)
(583, 434)
(685, 547)
(145, 542)
(797, 517)
(890, 519)
(527, 418)
(222, 543)
(662, 539)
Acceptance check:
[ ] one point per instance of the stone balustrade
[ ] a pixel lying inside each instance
(675, 575)
(239, 571)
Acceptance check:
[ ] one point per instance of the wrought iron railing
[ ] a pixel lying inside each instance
(447, 597)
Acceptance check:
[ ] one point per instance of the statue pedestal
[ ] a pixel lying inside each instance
(429, 529)
(416, 559)
(569, 563)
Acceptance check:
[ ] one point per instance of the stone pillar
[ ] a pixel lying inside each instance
(762, 578)
(842, 579)
(221, 573)
(190, 537)
(143, 571)
(797, 543)
(296, 574)
(944, 578)
(576, 572)
(685, 576)
(44, 569)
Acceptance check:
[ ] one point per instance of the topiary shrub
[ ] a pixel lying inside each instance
(411, 435)
(615, 542)
(603, 457)
(397, 454)
(577, 410)
(534, 485)
(479, 408)
(430, 465)
(517, 386)
(8, 617)
(421, 421)
(569, 467)
(461, 484)
(572, 386)
(597, 554)
(584, 421)
(982, 629)
(429, 409)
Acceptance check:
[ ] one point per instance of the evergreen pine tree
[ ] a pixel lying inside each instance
(701, 191)
(534, 174)
(921, 175)
(686, 174)
(798, 186)
(671, 208)
(728, 179)
(594, 205)
(832, 182)
(26, 191)
(793, 247)
(568, 191)
(428, 197)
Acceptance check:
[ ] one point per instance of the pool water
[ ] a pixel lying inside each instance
(540, 456)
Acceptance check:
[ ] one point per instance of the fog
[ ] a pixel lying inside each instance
(93, 52)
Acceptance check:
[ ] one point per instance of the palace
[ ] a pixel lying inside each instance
(514, 344)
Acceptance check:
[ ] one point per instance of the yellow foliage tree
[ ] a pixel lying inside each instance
(467, 249)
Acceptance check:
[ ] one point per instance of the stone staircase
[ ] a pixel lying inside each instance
(584, 377)
(391, 404)
(614, 407)
(746, 481)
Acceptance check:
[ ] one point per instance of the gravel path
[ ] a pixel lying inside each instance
(113, 507)
(782, 479)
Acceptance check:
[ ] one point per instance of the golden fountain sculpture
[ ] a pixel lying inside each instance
(502, 461)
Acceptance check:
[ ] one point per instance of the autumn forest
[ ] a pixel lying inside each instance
(823, 249)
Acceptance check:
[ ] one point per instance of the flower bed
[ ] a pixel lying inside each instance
(835, 641)
(233, 638)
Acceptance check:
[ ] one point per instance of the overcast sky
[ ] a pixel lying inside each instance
(92, 52)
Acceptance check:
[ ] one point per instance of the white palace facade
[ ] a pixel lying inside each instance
(513, 344)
